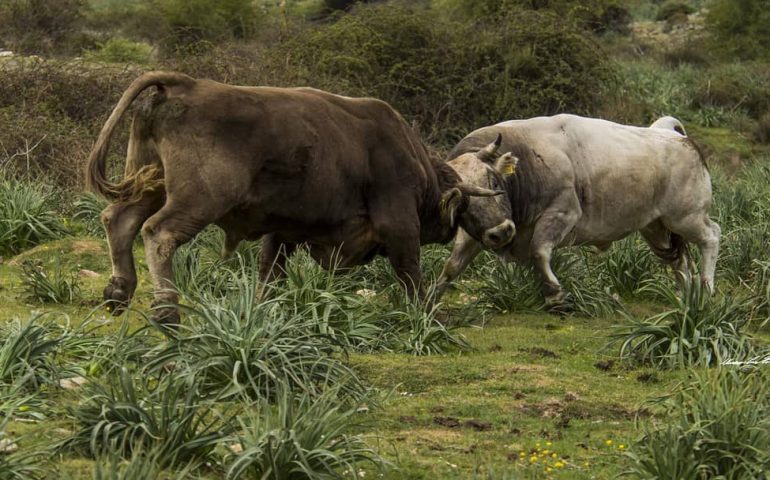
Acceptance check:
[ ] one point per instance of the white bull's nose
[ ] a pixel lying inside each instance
(500, 235)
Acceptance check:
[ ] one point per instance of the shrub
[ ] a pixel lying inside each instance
(52, 112)
(27, 216)
(762, 131)
(698, 331)
(734, 86)
(301, 437)
(53, 286)
(425, 67)
(738, 28)
(41, 26)
(673, 7)
(120, 50)
(715, 426)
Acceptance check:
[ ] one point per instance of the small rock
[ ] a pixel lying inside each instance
(72, 383)
(6, 53)
(8, 446)
(88, 273)
(366, 293)
(236, 448)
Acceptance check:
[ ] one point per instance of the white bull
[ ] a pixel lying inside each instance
(584, 181)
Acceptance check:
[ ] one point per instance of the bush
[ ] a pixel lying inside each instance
(738, 28)
(716, 426)
(52, 112)
(41, 26)
(734, 86)
(426, 67)
(120, 50)
(673, 7)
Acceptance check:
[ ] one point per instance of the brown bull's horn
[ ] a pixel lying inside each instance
(489, 153)
(474, 191)
(453, 202)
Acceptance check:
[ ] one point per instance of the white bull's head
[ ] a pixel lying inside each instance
(486, 217)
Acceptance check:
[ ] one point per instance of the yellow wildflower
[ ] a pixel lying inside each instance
(609, 443)
(548, 469)
(621, 447)
(548, 444)
(554, 455)
(559, 464)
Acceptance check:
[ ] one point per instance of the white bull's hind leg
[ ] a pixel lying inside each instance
(464, 251)
(670, 248)
(701, 230)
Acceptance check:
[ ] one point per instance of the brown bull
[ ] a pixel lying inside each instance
(297, 166)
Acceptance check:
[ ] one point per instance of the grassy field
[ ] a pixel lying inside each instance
(535, 395)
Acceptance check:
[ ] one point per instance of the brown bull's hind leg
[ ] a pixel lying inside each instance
(122, 222)
(162, 234)
(272, 260)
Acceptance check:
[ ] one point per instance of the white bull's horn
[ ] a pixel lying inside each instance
(474, 191)
(489, 153)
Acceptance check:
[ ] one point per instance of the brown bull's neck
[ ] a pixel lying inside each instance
(433, 229)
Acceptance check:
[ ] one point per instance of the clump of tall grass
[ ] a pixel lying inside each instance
(301, 437)
(87, 209)
(716, 426)
(243, 346)
(28, 350)
(140, 465)
(54, 286)
(699, 331)
(165, 415)
(26, 463)
(507, 286)
(27, 215)
(627, 265)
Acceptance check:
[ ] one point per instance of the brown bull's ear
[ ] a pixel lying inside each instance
(488, 154)
(474, 191)
(506, 164)
(453, 203)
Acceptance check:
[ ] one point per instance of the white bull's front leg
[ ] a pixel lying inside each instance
(550, 230)
(464, 251)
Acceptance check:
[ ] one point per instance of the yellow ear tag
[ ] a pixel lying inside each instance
(510, 169)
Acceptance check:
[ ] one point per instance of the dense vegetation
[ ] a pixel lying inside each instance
(338, 375)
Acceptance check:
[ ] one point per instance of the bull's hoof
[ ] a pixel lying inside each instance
(117, 295)
(166, 316)
(557, 304)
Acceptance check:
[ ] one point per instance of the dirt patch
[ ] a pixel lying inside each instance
(449, 422)
(409, 419)
(605, 365)
(478, 425)
(539, 352)
(87, 246)
(649, 377)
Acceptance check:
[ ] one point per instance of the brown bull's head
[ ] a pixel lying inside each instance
(480, 205)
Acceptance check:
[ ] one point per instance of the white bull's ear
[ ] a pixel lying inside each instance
(488, 154)
(506, 164)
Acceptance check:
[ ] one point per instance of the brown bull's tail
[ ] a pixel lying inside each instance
(96, 177)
